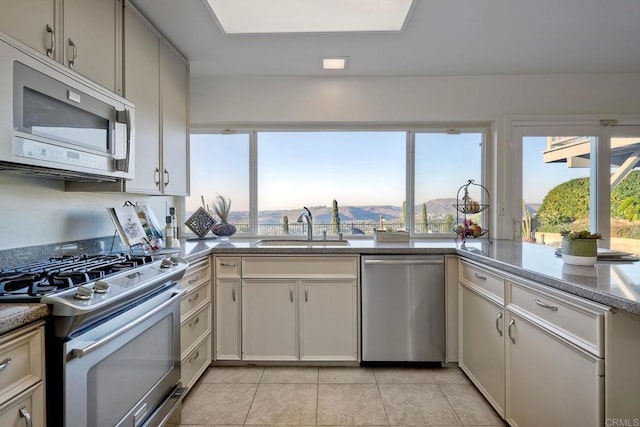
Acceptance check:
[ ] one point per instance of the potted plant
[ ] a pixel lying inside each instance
(222, 206)
(580, 247)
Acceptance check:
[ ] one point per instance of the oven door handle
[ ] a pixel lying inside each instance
(81, 352)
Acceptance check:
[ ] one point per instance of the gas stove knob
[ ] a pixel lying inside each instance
(166, 263)
(100, 287)
(83, 293)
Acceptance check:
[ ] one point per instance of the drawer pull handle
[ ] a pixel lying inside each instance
(52, 42)
(291, 293)
(26, 415)
(498, 323)
(306, 293)
(545, 305)
(194, 280)
(5, 363)
(233, 292)
(195, 356)
(478, 276)
(229, 264)
(195, 297)
(195, 322)
(511, 337)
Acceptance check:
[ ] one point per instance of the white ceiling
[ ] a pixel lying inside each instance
(441, 37)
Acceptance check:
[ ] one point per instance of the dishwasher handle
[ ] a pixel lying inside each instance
(403, 262)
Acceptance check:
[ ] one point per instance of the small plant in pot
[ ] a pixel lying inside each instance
(223, 229)
(580, 247)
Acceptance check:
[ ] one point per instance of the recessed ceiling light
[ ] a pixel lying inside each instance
(339, 63)
(309, 16)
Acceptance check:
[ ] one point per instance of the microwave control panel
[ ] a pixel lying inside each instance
(51, 153)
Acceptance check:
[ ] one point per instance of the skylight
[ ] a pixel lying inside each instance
(309, 16)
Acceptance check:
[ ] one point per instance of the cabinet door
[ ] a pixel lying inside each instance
(29, 404)
(269, 320)
(549, 381)
(91, 26)
(174, 74)
(142, 86)
(27, 21)
(228, 320)
(482, 345)
(329, 320)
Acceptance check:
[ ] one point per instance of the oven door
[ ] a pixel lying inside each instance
(124, 370)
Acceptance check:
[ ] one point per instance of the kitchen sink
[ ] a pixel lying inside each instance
(299, 243)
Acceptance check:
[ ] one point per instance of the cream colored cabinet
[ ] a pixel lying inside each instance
(22, 377)
(156, 79)
(174, 78)
(269, 319)
(482, 344)
(549, 381)
(195, 321)
(84, 35)
(91, 44)
(228, 300)
(554, 357)
(31, 22)
(329, 319)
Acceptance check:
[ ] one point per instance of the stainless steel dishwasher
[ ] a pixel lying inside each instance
(403, 308)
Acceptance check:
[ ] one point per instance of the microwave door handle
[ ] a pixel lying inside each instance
(124, 116)
(81, 352)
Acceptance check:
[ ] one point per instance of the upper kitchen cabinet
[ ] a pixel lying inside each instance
(156, 80)
(81, 34)
(92, 40)
(32, 22)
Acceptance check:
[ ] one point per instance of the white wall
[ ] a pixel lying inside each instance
(231, 101)
(38, 211)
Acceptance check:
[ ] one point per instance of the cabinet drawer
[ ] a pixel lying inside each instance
(194, 328)
(21, 359)
(580, 322)
(194, 299)
(300, 267)
(227, 266)
(196, 362)
(483, 279)
(29, 403)
(196, 274)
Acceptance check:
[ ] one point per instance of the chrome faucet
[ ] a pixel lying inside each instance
(307, 215)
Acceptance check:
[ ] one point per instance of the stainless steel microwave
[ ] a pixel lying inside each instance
(56, 123)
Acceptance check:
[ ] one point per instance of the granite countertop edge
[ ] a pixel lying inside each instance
(16, 315)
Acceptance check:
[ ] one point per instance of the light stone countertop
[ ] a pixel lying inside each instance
(15, 315)
(612, 283)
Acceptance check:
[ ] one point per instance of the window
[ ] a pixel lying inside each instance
(353, 181)
(443, 163)
(220, 166)
(364, 172)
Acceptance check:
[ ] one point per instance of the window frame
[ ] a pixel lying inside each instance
(410, 129)
(603, 128)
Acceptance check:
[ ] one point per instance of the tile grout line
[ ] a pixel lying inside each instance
(384, 408)
(450, 404)
(244, 422)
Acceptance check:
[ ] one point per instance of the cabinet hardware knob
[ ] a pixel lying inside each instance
(195, 356)
(24, 413)
(511, 337)
(52, 39)
(5, 363)
(195, 297)
(74, 51)
(194, 280)
(545, 305)
(195, 322)
(498, 324)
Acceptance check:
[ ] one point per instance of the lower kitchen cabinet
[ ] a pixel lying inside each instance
(195, 321)
(482, 344)
(328, 320)
(550, 381)
(269, 320)
(26, 409)
(227, 319)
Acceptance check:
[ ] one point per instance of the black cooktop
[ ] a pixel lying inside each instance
(30, 282)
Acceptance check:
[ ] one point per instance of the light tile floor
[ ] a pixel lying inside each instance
(327, 396)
